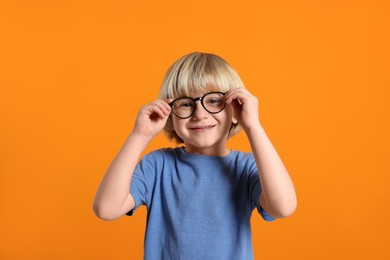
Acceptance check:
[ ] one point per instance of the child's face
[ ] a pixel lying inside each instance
(203, 132)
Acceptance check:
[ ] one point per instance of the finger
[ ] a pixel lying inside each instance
(242, 92)
(232, 93)
(154, 111)
(236, 105)
(236, 90)
(160, 106)
(237, 95)
(164, 106)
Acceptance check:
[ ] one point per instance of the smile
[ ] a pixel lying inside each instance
(201, 128)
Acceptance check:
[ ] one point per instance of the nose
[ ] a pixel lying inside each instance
(200, 111)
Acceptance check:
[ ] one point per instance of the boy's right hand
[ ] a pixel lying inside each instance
(152, 118)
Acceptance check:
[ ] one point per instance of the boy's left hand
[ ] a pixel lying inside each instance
(245, 106)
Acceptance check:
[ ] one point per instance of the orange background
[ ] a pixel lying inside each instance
(74, 73)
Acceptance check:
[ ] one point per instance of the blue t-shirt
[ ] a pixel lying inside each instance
(199, 207)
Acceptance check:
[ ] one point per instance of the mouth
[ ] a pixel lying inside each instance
(202, 128)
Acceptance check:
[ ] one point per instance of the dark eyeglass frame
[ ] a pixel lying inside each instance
(201, 102)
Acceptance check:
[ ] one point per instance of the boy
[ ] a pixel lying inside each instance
(199, 197)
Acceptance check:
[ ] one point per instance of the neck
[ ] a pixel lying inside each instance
(208, 151)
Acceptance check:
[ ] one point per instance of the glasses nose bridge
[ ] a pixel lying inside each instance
(200, 99)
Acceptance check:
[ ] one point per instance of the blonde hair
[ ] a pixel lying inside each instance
(198, 73)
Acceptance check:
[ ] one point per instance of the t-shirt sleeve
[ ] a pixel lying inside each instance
(142, 181)
(255, 191)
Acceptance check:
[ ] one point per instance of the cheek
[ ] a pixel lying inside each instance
(229, 113)
(225, 120)
(177, 124)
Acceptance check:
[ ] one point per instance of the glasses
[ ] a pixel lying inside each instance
(184, 107)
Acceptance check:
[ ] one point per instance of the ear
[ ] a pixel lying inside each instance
(234, 120)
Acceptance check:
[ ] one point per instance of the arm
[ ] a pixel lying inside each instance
(113, 198)
(278, 196)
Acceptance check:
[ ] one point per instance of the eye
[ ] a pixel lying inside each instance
(214, 100)
(185, 103)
